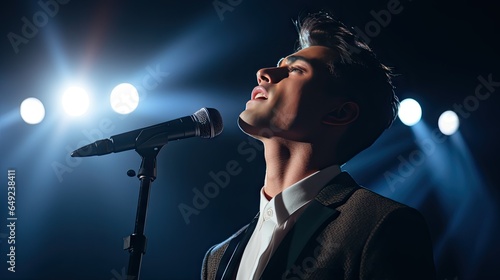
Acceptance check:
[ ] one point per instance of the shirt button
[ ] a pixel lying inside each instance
(269, 212)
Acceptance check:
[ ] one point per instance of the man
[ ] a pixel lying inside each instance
(313, 112)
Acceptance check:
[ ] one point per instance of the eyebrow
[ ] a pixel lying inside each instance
(292, 58)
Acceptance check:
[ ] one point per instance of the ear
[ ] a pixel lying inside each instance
(342, 115)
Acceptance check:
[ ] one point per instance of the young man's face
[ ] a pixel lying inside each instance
(291, 99)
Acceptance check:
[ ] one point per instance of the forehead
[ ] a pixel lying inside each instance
(313, 55)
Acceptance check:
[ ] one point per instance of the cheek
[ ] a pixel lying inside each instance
(296, 104)
(286, 110)
(289, 103)
(312, 108)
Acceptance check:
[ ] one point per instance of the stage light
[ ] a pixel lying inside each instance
(75, 101)
(124, 98)
(448, 123)
(32, 110)
(410, 112)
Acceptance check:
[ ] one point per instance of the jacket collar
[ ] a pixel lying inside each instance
(337, 191)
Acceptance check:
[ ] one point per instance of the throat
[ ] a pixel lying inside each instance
(285, 167)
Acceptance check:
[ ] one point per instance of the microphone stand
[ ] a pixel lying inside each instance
(148, 143)
(136, 242)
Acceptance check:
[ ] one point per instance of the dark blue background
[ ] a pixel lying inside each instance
(72, 214)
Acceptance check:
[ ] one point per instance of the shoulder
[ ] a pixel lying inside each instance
(378, 237)
(399, 245)
(343, 192)
(376, 210)
(375, 202)
(363, 211)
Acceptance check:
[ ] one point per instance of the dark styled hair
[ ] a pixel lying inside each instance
(357, 75)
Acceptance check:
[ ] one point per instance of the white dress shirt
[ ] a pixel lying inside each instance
(276, 218)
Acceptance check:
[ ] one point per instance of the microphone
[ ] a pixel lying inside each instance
(206, 123)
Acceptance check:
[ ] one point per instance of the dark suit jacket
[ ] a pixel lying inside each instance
(347, 232)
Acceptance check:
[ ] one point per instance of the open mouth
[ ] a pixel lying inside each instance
(259, 93)
(260, 96)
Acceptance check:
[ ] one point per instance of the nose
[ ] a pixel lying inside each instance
(271, 75)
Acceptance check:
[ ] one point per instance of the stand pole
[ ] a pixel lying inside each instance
(136, 243)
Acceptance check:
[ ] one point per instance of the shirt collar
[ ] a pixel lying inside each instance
(284, 204)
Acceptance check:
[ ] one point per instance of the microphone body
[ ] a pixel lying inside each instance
(206, 123)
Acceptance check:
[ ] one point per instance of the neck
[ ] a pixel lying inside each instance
(288, 162)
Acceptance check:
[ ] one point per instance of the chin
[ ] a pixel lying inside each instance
(256, 130)
(251, 125)
(245, 126)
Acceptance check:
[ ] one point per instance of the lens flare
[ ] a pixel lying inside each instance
(124, 98)
(75, 101)
(32, 110)
(410, 112)
(448, 123)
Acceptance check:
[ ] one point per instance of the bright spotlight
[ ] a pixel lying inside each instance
(75, 101)
(448, 123)
(124, 98)
(32, 110)
(410, 112)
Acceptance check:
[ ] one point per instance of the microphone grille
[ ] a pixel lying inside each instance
(210, 122)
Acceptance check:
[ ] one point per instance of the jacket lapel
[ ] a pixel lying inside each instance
(310, 222)
(232, 256)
